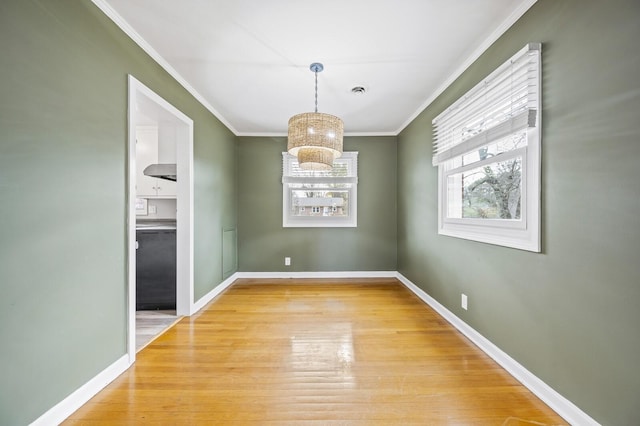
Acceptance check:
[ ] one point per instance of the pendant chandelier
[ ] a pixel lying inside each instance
(315, 138)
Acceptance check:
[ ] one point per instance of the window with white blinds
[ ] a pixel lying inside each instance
(487, 149)
(503, 103)
(315, 198)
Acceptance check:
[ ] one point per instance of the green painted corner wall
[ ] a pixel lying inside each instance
(262, 241)
(568, 314)
(63, 141)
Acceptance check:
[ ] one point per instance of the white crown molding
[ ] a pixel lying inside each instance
(361, 134)
(281, 135)
(262, 135)
(144, 45)
(506, 24)
(561, 405)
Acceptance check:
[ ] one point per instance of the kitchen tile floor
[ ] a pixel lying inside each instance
(150, 324)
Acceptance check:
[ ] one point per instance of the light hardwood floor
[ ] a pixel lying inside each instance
(319, 352)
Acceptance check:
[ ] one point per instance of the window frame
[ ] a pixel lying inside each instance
(523, 233)
(320, 221)
(500, 223)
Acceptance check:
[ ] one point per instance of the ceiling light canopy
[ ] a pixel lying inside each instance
(314, 137)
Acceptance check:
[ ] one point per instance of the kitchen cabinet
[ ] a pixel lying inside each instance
(156, 268)
(154, 146)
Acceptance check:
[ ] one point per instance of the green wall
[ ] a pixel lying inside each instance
(262, 241)
(569, 314)
(63, 140)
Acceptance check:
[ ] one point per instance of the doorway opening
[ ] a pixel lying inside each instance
(166, 204)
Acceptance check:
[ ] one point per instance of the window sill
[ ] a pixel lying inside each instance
(522, 239)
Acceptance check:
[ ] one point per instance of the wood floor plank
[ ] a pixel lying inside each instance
(321, 351)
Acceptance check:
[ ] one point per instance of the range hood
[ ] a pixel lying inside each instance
(161, 171)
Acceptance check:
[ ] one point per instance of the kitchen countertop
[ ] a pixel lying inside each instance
(155, 224)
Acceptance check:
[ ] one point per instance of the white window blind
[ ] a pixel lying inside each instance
(316, 198)
(345, 170)
(503, 103)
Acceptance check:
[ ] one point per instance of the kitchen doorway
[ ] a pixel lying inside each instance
(146, 108)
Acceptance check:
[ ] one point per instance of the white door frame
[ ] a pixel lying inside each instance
(144, 102)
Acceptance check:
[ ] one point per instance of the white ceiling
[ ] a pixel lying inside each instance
(248, 60)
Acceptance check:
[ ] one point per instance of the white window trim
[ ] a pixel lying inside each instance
(522, 234)
(499, 223)
(350, 221)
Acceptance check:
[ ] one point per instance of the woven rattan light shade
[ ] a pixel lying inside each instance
(315, 159)
(316, 139)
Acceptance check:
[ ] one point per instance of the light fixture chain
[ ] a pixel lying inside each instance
(315, 138)
(316, 73)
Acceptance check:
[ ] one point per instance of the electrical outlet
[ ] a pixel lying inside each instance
(464, 301)
(153, 209)
(287, 261)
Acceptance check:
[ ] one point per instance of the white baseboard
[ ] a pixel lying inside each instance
(59, 412)
(329, 274)
(565, 408)
(553, 399)
(201, 303)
